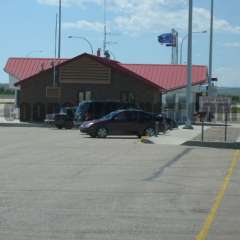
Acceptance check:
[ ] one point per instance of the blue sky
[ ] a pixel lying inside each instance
(27, 27)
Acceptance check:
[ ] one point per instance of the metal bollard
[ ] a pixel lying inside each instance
(202, 130)
(226, 125)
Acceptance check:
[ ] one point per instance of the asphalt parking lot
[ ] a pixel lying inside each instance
(63, 185)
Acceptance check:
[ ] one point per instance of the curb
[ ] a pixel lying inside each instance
(23, 125)
(146, 140)
(223, 145)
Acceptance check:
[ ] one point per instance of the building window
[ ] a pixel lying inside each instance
(84, 96)
(170, 101)
(17, 97)
(127, 97)
(131, 98)
(80, 96)
(181, 102)
(88, 95)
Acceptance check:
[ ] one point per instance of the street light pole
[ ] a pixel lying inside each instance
(188, 124)
(184, 38)
(85, 39)
(211, 46)
(181, 48)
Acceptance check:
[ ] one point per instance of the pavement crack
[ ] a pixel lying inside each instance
(168, 164)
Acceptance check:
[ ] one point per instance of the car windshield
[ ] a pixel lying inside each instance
(83, 107)
(109, 116)
(62, 110)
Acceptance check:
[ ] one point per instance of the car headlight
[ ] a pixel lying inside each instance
(89, 124)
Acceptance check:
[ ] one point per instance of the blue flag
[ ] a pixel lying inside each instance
(167, 38)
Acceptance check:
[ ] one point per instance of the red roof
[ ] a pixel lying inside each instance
(167, 77)
(23, 68)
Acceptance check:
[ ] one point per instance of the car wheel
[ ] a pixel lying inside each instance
(59, 126)
(68, 125)
(139, 135)
(149, 132)
(93, 135)
(164, 127)
(102, 132)
(174, 124)
(168, 127)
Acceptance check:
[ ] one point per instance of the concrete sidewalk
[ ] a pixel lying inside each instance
(177, 136)
(213, 137)
(4, 122)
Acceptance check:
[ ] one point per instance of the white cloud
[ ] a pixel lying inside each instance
(228, 76)
(121, 4)
(232, 45)
(83, 24)
(152, 18)
(69, 2)
(142, 16)
(48, 2)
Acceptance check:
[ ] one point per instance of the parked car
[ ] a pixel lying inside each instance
(124, 122)
(63, 119)
(89, 110)
(85, 111)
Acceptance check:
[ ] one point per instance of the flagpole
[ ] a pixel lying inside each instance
(60, 28)
(171, 40)
(188, 124)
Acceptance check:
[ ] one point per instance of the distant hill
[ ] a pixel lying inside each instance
(228, 91)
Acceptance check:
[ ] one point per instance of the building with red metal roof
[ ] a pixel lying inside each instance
(20, 69)
(103, 78)
(167, 76)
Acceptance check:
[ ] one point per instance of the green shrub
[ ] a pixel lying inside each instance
(4, 91)
(236, 109)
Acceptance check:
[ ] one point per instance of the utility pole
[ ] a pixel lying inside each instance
(56, 36)
(60, 29)
(188, 124)
(105, 29)
(211, 48)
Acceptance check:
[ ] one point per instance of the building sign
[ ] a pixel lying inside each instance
(53, 92)
(215, 104)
